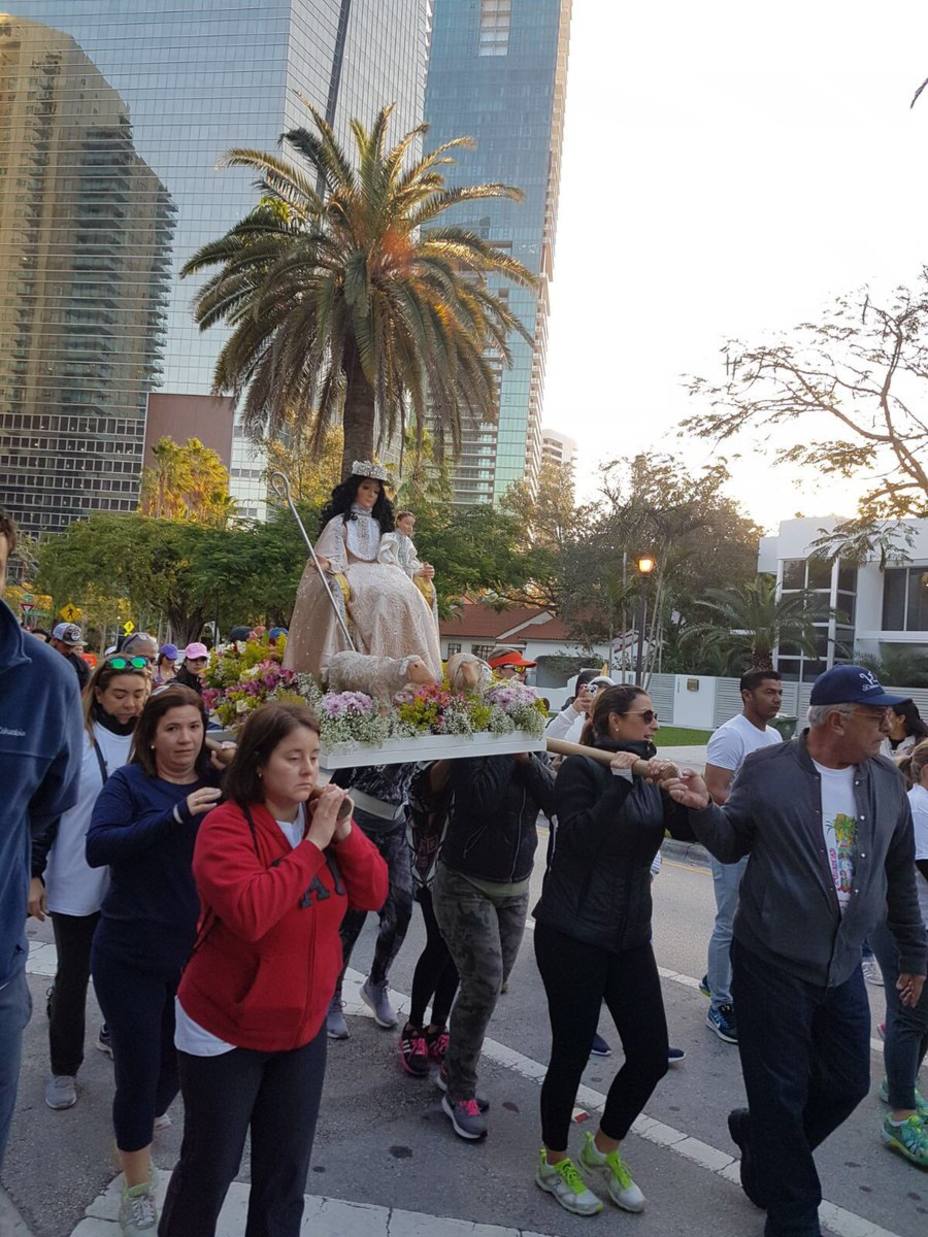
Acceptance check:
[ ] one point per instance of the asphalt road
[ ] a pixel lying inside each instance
(382, 1139)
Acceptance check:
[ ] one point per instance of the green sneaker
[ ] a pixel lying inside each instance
(137, 1211)
(612, 1169)
(921, 1104)
(910, 1138)
(565, 1183)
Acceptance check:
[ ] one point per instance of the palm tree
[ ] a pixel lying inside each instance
(750, 621)
(351, 301)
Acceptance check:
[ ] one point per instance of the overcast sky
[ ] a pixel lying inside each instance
(728, 168)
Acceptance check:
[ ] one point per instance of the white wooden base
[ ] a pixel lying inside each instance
(428, 747)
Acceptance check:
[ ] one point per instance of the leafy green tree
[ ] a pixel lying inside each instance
(850, 385)
(158, 565)
(651, 505)
(186, 482)
(353, 302)
(312, 467)
(747, 623)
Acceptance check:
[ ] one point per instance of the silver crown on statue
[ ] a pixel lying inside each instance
(366, 468)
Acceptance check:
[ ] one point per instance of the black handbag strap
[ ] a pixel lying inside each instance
(101, 759)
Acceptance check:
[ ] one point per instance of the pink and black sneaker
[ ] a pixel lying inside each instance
(437, 1042)
(414, 1052)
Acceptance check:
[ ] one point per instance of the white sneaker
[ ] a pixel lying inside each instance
(138, 1212)
(163, 1122)
(565, 1183)
(613, 1170)
(872, 973)
(60, 1091)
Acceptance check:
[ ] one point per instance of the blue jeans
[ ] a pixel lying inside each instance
(726, 877)
(15, 1012)
(805, 1055)
(906, 1027)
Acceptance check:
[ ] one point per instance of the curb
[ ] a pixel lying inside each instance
(685, 852)
(11, 1222)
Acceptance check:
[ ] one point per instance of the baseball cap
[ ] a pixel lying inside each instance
(852, 685)
(510, 659)
(169, 651)
(195, 650)
(68, 633)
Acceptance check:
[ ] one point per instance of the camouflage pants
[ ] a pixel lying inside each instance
(483, 933)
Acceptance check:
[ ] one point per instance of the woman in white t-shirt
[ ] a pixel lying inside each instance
(907, 1027)
(63, 884)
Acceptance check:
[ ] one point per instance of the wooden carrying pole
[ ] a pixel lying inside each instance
(560, 747)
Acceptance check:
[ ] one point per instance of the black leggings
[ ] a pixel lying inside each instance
(139, 1010)
(577, 979)
(276, 1096)
(67, 1007)
(436, 977)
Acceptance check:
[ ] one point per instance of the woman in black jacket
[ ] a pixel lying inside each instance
(480, 899)
(593, 942)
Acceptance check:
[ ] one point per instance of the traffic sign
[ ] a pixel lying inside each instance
(27, 607)
(70, 613)
(128, 627)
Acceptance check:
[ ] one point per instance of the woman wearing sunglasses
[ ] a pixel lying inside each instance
(62, 882)
(593, 943)
(143, 826)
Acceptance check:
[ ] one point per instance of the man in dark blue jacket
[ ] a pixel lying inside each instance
(40, 757)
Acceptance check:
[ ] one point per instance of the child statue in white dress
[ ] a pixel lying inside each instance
(398, 549)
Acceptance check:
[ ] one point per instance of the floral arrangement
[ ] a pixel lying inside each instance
(230, 663)
(241, 677)
(259, 683)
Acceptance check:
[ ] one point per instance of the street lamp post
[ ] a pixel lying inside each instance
(645, 565)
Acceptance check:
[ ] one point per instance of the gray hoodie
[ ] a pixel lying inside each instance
(788, 908)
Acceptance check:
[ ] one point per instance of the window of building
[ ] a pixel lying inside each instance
(453, 647)
(495, 23)
(905, 599)
(482, 650)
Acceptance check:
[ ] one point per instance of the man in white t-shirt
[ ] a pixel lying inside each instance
(761, 695)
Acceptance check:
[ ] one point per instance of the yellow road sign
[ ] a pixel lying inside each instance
(70, 613)
(128, 627)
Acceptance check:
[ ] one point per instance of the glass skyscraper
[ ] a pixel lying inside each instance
(113, 115)
(498, 74)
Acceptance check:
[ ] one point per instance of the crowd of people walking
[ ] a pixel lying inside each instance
(214, 894)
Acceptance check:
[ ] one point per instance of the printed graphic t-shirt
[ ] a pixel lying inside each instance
(839, 824)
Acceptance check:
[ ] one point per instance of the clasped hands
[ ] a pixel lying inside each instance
(653, 770)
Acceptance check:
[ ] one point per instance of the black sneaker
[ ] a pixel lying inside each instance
(600, 1048)
(675, 1055)
(739, 1127)
(414, 1051)
(722, 1022)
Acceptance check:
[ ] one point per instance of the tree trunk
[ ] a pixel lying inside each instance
(358, 418)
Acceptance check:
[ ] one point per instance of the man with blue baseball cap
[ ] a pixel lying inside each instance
(826, 824)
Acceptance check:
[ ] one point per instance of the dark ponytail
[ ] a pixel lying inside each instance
(612, 700)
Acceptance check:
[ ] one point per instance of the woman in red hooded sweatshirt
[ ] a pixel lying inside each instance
(276, 868)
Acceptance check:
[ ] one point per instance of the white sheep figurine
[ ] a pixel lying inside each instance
(468, 673)
(378, 677)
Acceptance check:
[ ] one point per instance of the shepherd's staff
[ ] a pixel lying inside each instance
(281, 487)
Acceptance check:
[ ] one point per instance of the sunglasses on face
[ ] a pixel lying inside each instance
(647, 716)
(127, 663)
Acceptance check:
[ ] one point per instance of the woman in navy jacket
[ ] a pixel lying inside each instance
(593, 942)
(143, 826)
